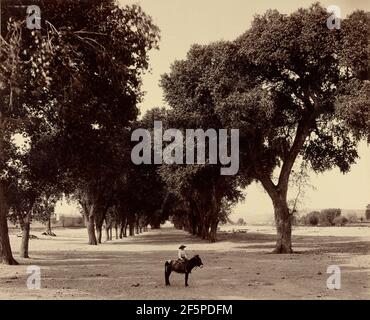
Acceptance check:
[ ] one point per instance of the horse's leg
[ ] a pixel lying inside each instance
(167, 272)
(186, 279)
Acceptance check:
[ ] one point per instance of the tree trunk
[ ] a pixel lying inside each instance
(193, 224)
(283, 222)
(116, 229)
(25, 237)
(278, 193)
(48, 230)
(204, 232)
(99, 225)
(48, 226)
(110, 233)
(204, 228)
(213, 232)
(90, 224)
(106, 233)
(214, 218)
(122, 230)
(156, 224)
(6, 255)
(131, 230)
(283, 218)
(98, 233)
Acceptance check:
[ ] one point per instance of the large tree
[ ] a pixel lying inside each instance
(303, 70)
(21, 108)
(280, 84)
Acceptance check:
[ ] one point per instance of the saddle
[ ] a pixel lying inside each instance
(180, 264)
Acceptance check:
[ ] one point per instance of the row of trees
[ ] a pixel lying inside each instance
(325, 217)
(330, 217)
(296, 90)
(71, 90)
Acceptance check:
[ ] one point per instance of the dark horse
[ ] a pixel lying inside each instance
(181, 267)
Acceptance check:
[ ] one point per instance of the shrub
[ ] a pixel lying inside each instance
(352, 218)
(295, 220)
(312, 218)
(327, 216)
(340, 221)
(241, 222)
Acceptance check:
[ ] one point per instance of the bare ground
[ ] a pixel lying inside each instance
(238, 266)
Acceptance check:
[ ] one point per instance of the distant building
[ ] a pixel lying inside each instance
(67, 214)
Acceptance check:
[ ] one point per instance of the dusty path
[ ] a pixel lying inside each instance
(239, 266)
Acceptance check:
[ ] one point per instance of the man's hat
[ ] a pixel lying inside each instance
(182, 247)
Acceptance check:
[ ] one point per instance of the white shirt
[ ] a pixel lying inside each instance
(182, 254)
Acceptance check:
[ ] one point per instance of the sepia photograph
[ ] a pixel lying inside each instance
(171, 150)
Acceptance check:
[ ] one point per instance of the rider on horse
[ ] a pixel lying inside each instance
(182, 253)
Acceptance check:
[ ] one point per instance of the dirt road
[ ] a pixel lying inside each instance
(238, 266)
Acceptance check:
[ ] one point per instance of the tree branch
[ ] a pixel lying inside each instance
(300, 138)
(269, 186)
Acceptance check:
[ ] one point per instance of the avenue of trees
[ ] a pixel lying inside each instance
(297, 91)
(70, 90)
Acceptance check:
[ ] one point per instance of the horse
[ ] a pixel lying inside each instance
(181, 267)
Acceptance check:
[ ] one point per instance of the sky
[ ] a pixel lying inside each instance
(184, 23)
